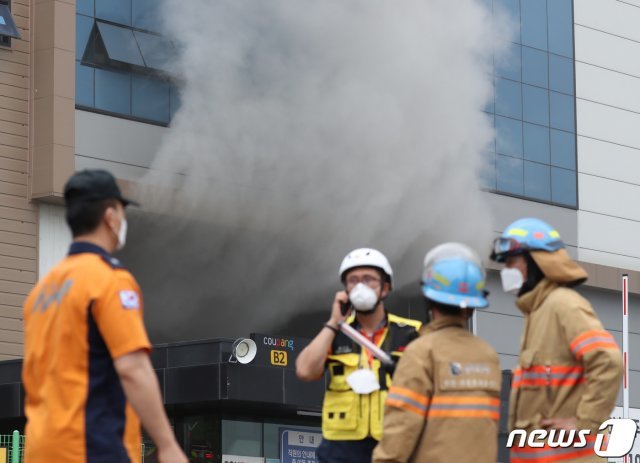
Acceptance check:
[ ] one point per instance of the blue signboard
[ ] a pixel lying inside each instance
(299, 446)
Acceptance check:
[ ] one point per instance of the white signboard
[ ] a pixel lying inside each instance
(634, 455)
(240, 459)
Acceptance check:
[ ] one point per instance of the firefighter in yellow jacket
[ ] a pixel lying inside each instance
(444, 403)
(358, 384)
(570, 368)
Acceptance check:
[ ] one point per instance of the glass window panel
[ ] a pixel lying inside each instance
(150, 98)
(120, 44)
(488, 170)
(534, 67)
(561, 74)
(113, 91)
(560, 18)
(563, 186)
(508, 98)
(84, 85)
(536, 143)
(242, 438)
(509, 65)
(490, 106)
(201, 437)
(512, 9)
(537, 180)
(84, 7)
(8, 26)
(84, 24)
(535, 103)
(509, 175)
(117, 11)
(174, 100)
(534, 23)
(562, 111)
(157, 51)
(563, 149)
(508, 136)
(145, 14)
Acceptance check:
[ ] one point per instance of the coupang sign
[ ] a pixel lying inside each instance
(280, 343)
(277, 351)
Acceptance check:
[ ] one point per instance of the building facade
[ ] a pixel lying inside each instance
(75, 95)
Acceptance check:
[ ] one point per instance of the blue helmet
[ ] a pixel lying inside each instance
(523, 235)
(453, 275)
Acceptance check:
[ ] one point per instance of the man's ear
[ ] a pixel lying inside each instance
(386, 289)
(109, 216)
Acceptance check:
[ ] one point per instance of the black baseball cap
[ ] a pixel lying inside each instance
(93, 185)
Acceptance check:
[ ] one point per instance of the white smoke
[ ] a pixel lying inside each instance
(309, 128)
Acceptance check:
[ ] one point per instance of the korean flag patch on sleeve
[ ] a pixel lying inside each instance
(129, 299)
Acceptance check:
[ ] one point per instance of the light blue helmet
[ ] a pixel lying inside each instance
(453, 275)
(523, 235)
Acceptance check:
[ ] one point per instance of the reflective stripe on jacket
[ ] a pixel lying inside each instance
(444, 401)
(569, 366)
(350, 416)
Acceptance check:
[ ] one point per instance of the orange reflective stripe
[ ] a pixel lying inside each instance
(401, 397)
(591, 340)
(462, 399)
(408, 393)
(553, 375)
(398, 403)
(465, 407)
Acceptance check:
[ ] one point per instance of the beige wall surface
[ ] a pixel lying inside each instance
(18, 217)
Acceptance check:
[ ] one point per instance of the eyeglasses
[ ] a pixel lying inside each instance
(368, 280)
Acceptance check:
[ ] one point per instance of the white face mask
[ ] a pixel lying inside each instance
(512, 280)
(363, 298)
(122, 235)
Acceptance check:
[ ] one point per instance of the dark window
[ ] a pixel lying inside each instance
(508, 98)
(560, 74)
(117, 11)
(536, 143)
(122, 63)
(508, 136)
(563, 186)
(533, 17)
(113, 91)
(114, 46)
(537, 180)
(510, 175)
(534, 67)
(84, 85)
(8, 28)
(535, 103)
(533, 154)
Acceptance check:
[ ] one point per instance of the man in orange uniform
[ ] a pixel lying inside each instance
(87, 373)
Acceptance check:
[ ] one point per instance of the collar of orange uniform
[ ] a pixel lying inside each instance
(530, 301)
(444, 321)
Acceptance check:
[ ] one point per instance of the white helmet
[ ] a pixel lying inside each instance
(366, 257)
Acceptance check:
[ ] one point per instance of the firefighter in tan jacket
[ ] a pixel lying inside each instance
(570, 368)
(444, 402)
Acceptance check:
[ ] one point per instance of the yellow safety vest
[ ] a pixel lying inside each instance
(350, 416)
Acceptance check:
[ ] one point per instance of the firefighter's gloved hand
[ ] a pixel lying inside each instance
(390, 369)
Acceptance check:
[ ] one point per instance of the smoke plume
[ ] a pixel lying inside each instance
(309, 128)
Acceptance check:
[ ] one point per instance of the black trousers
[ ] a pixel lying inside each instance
(348, 451)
